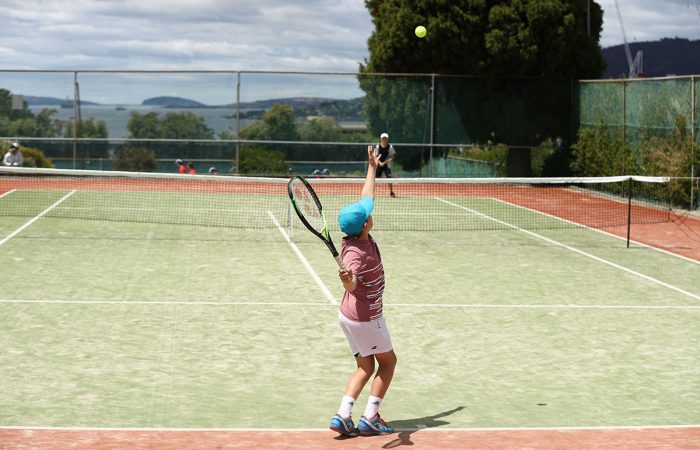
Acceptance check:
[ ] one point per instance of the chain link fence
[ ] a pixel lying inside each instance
(281, 123)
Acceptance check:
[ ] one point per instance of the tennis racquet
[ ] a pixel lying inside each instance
(309, 209)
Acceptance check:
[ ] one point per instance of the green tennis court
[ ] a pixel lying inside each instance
(152, 312)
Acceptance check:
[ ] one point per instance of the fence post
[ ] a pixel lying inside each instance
(238, 123)
(432, 123)
(624, 127)
(76, 118)
(693, 118)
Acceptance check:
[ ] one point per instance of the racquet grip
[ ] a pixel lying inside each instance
(340, 262)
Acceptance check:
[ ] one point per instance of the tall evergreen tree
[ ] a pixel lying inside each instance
(511, 63)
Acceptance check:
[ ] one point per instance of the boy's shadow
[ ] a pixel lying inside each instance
(407, 427)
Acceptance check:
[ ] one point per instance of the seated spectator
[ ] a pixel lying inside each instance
(13, 157)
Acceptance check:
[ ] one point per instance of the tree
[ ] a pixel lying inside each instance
(515, 58)
(277, 124)
(262, 161)
(185, 125)
(175, 125)
(321, 130)
(326, 130)
(135, 159)
(5, 103)
(143, 126)
(495, 38)
(89, 128)
(23, 122)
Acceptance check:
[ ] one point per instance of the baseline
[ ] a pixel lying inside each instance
(681, 437)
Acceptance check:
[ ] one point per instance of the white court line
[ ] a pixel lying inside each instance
(306, 264)
(297, 304)
(641, 244)
(575, 250)
(325, 430)
(8, 193)
(37, 217)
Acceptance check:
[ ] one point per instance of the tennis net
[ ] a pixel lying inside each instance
(94, 203)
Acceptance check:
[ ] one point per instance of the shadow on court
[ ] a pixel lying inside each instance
(407, 427)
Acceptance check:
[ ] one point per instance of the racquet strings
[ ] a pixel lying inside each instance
(307, 205)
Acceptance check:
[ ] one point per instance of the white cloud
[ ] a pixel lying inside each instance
(325, 34)
(649, 20)
(328, 35)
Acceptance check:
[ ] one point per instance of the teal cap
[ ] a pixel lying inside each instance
(353, 216)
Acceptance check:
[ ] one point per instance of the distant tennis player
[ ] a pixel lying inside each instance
(360, 315)
(386, 153)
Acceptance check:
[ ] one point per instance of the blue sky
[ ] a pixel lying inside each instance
(280, 35)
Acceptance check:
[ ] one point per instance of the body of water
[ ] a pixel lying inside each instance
(117, 117)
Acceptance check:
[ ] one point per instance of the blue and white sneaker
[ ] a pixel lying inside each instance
(343, 426)
(375, 425)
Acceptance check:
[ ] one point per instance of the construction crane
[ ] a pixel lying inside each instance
(635, 65)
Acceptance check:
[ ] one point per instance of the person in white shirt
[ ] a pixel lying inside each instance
(13, 157)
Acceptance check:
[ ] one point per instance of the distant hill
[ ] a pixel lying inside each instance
(303, 106)
(173, 102)
(660, 58)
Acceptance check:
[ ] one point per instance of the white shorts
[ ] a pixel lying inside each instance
(366, 338)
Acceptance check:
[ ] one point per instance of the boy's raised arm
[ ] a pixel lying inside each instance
(373, 162)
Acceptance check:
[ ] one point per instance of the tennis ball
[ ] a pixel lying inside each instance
(421, 31)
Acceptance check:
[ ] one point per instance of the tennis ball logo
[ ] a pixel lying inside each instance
(421, 31)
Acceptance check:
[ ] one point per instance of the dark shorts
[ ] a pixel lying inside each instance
(383, 170)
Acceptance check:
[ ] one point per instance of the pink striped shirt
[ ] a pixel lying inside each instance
(363, 257)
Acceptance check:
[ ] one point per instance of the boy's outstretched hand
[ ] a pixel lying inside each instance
(373, 159)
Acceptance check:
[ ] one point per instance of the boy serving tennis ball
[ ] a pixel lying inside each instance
(360, 315)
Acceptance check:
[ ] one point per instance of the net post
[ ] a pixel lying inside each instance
(290, 221)
(629, 209)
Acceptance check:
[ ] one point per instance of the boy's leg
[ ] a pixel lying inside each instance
(357, 381)
(342, 422)
(371, 423)
(381, 382)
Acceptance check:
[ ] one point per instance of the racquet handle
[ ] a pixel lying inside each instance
(340, 262)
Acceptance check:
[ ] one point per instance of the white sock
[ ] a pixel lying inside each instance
(346, 405)
(373, 404)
